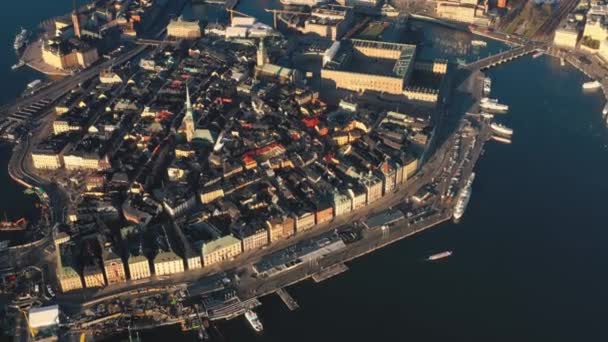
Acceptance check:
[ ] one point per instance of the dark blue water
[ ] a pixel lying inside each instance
(529, 259)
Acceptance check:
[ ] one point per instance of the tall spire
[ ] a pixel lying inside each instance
(188, 122)
(188, 103)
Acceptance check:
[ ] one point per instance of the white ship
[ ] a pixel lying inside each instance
(502, 130)
(463, 198)
(254, 321)
(492, 105)
(487, 86)
(478, 43)
(20, 39)
(310, 3)
(605, 110)
(439, 256)
(501, 139)
(591, 85)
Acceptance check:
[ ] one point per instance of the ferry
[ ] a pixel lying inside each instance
(439, 256)
(501, 139)
(463, 198)
(254, 321)
(592, 85)
(20, 39)
(487, 86)
(477, 42)
(500, 129)
(492, 105)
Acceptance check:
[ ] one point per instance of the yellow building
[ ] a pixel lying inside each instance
(62, 55)
(373, 187)
(168, 263)
(595, 28)
(93, 276)
(139, 267)
(342, 204)
(305, 220)
(46, 160)
(114, 268)
(82, 161)
(61, 126)
(221, 249)
(358, 198)
(410, 168)
(179, 28)
(462, 11)
(69, 279)
(566, 36)
(194, 261)
(209, 194)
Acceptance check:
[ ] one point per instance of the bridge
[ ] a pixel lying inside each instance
(156, 42)
(503, 57)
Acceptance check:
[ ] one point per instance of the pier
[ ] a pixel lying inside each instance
(329, 272)
(287, 299)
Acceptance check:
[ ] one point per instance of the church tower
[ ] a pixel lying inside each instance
(188, 122)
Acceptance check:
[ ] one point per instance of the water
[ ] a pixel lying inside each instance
(529, 255)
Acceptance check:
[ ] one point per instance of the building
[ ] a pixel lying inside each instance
(188, 124)
(280, 228)
(462, 11)
(46, 160)
(596, 25)
(305, 220)
(211, 193)
(193, 260)
(365, 65)
(93, 276)
(252, 238)
(68, 279)
(168, 263)
(139, 267)
(70, 54)
(181, 29)
(566, 36)
(221, 249)
(331, 23)
(114, 268)
(342, 204)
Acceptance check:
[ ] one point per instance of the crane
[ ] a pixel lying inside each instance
(277, 11)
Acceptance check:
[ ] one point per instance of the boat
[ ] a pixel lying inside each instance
(18, 65)
(492, 105)
(538, 53)
(605, 110)
(388, 11)
(501, 130)
(310, 3)
(20, 39)
(439, 256)
(501, 139)
(561, 61)
(463, 198)
(254, 321)
(34, 84)
(591, 85)
(7, 225)
(477, 42)
(487, 85)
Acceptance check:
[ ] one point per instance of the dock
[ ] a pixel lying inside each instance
(329, 272)
(287, 299)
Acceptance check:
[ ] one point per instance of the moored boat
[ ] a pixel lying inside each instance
(501, 129)
(254, 321)
(463, 198)
(592, 85)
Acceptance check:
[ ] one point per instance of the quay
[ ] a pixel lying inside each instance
(329, 272)
(287, 299)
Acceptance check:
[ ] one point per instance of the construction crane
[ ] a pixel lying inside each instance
(232, 12)
(277, 11)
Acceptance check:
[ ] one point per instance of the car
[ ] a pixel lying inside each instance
(36, 288)
(49, 289)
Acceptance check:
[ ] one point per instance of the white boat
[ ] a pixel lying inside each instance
(34, 84)
(487, 86)
(492, 105)
(439, 256)
(254, 321)
(605, 110)
(501, 139)
(538, 53)
(18, 65)
(591, 85)
(310, 3)
(463, 198)
(477, 42)
(20, 39)
(501, 130)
